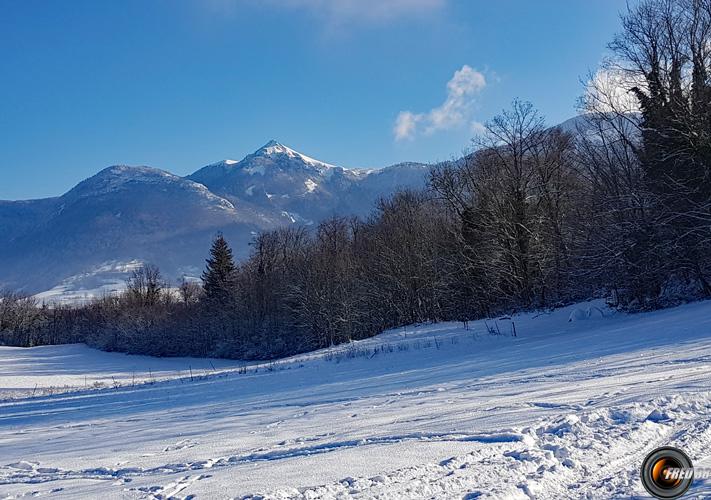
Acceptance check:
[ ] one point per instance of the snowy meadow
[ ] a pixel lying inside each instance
(566, 408)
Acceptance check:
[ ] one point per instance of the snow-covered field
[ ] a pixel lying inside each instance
(566, 409)
(60, 368)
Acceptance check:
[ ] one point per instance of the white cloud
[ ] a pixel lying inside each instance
(609, 90)
(406, 125)
(454, 112)
(477, 128)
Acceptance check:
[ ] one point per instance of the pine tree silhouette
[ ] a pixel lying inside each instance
(219, 275)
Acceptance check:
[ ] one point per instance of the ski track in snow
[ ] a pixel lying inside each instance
(564, 410)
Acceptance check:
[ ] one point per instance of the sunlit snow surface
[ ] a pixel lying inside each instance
(566, 409)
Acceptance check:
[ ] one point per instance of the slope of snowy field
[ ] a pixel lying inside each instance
(60, 368)
(564, 409)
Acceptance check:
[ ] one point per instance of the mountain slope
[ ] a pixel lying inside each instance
(303, 189)
(87, 241)
(119, 215)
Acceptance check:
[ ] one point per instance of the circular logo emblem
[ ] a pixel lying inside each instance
(667, 473)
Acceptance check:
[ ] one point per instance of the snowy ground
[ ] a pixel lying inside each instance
(51, 369)
(562, 410)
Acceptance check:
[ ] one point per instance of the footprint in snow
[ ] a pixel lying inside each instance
(181, 445)
(23, 465)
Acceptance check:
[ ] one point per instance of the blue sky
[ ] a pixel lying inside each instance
(177, 84)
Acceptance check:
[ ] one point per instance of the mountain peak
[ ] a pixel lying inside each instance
(120, 177)
(127, 173)
(272, 143)
(275, 148)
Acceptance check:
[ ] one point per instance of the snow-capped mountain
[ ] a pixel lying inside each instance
(302, 189)
(269, 159)
(119, 215)
(85, 241)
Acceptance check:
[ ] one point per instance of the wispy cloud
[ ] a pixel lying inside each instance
(454, 112)
(339, 13)
(406, 125)
(369, 11)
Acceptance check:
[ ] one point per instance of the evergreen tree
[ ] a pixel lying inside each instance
(664, 46)
(219, 275)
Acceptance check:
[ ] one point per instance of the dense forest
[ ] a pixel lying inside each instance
(533, 217)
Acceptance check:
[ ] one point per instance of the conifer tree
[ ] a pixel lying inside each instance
(219, 275)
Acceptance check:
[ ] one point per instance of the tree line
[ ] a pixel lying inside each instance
(533, 217)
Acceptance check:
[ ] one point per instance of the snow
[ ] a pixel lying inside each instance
(59, 368)
(361, 173)
(105, 279)
(564, 409)
(310, 185)
(295, 218)
(121, 203)
(591, 312)
(255, 170)
(123, 178)
(275, 148)
(286, 214)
